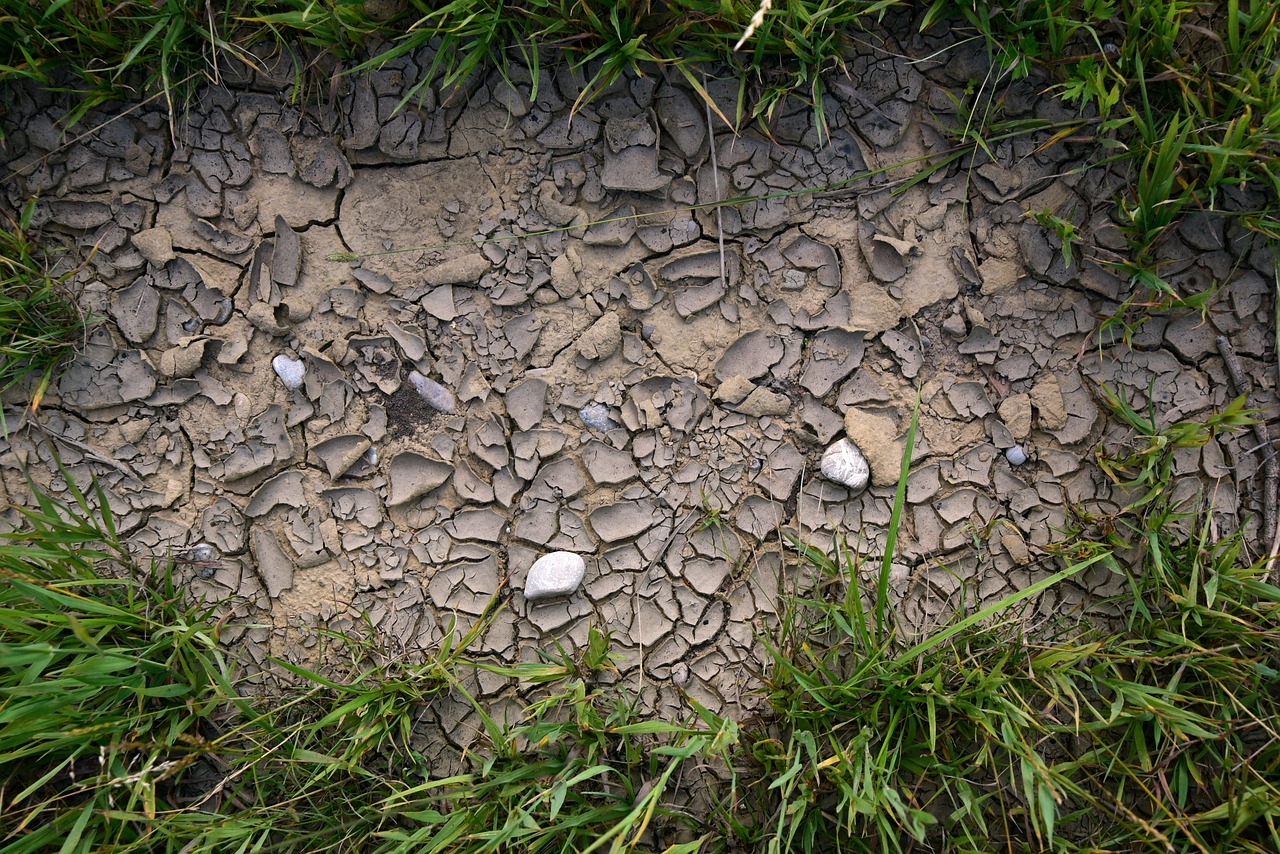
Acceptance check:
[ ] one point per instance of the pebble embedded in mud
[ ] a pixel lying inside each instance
(596, 416)
(554, 575)
(1016, 455)
(290, 371)
(843, 463)
(437, 396)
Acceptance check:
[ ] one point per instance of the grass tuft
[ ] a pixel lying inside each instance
(40, 325)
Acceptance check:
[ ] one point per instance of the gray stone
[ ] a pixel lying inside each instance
(596, 416)
(413, 476)
(633, 170)
(526, 402)
(155, 245)
(751, 356)
(466, 270)
(555, 574)
(615, 522)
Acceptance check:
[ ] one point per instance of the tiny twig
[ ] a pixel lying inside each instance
(1270, 465)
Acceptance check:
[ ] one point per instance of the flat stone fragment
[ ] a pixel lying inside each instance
(615, 522)
(274, 565)
(834, 355)
(555, 574)
(341, 453)
(752, 355)
(1015, 412)
(602, 339)
(762, 402)
(526, 402)
(155, 245)
(844, 463)
(136, 310)
(1046, 397)
(466, 270)
(284, 489)
(634, 169)
(608, 466)
(286, 260)
(413, 476)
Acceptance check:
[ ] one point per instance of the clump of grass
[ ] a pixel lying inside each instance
(108, 681)
(1185, 94)
(991, 733)
(121, 729)
(40, 325)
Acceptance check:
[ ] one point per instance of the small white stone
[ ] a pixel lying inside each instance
(1016, 455)
(437, 396)
(843, 463)
(290, 371)
(555, 574)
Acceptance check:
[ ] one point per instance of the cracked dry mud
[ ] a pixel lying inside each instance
(631, 389)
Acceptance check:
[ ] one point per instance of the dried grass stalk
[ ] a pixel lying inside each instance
(756, 20)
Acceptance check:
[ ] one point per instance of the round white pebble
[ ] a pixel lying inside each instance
(290, 371)
(843, 463)
(1016, 455)
(555, 574)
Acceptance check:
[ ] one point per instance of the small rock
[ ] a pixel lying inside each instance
(596, 416)
(843, 463)
(155, 245)
(1046, 397)
(1016, 455)
(555, 574)
(466, 270)
(290, 371)
(437, 396)
(602, 339)
(762, 402)
(876, 435)
(1015, 412)
(734, 390)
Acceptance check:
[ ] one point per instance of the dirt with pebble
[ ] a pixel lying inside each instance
(638, 378)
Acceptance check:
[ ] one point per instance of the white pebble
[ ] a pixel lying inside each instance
(437, 396)
(290, 371)
(843, 463)
(1016, 455)
(554, 574)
